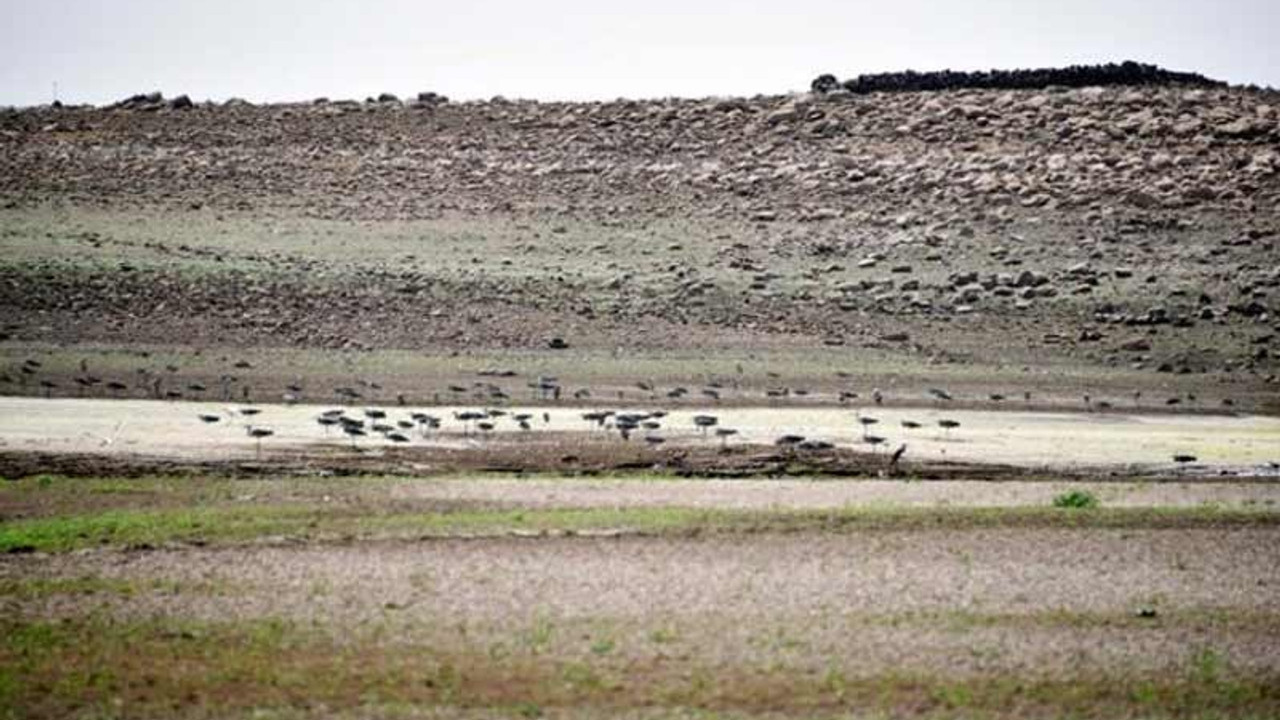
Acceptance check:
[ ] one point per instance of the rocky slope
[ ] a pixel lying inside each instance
(1120, 225)
(862, 161)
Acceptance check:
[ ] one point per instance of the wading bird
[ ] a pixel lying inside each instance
(866, 422)
(947, 426)
(724, 434)
(705, 421)
(1183, 460)
(353, 431)
(897, 455)
(257, 433)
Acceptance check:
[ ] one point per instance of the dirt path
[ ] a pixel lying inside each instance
(1029, 439)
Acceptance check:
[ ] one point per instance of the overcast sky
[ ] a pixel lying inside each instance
(102, 50)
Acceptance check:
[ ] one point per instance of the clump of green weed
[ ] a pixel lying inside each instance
(1076, 499)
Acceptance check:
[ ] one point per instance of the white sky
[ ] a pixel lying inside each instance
(99, 51)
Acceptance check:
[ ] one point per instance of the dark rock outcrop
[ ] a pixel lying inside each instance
(1075, 76)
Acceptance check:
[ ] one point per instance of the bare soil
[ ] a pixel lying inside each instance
(956, 603)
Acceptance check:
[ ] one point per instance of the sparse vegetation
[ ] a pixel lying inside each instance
(407, 654)
(151, 528)
(52, 669)
(1076, 499)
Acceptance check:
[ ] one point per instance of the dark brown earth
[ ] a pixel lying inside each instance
(570, 459)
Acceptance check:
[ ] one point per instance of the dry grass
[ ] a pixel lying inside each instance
(337, 597)
(167, 669)
(149, 528)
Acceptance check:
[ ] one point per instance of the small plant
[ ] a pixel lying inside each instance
(539, 636)
(528, 710)
(663, 635)
(1206, 666)
(835, 682)
(582, 676)
(1076, 499)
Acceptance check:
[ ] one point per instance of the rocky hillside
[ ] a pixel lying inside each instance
(912, 160)
(1124, 226)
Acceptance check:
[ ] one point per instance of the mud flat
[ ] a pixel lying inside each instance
(1239, 443)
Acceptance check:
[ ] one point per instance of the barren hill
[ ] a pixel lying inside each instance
(1126, 228)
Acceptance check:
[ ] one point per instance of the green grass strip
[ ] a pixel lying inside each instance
(229, 525)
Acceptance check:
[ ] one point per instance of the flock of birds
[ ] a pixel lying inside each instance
(648, 426)
(228, 388)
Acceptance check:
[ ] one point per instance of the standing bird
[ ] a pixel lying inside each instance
(353, 431)
(867, 422)
(1183, 459)
(705, 421)
(257, 433)
(948, 425)
(326, 422)
(897, 455)
(724, 434)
